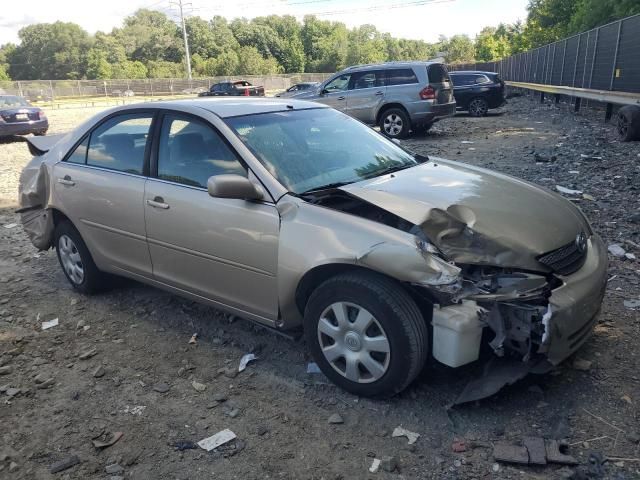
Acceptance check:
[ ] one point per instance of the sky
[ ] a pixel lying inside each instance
(415, 19)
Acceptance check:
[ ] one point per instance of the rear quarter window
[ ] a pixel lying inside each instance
(401, 76)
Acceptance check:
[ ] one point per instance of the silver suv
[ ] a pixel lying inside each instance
(397, 96)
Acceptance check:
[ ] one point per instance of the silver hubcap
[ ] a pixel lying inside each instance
(393, 124)
(353, 342)
(478, 108)
(70, 259)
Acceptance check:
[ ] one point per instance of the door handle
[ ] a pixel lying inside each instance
(66, 181)
(379, 93)
(341, 97)
(158, 202)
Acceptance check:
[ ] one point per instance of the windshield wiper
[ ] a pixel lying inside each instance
(328, 186)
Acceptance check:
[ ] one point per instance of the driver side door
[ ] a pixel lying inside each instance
(334, 92)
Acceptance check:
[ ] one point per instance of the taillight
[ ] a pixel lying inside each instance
(246, 92)
(41, 115)
(428, 93)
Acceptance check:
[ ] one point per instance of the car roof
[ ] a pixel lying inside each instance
(235, 106)
(413, 63)
(466, 72)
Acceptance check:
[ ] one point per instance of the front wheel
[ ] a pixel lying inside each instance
(366, 334)
(478, 107)
(394, 123)
(628, 124)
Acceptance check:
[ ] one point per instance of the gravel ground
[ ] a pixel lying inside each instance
(122, 362)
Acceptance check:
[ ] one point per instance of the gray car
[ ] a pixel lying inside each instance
(397, 96)
(292, 214)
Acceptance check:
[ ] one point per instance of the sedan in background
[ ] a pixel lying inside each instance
(298, 89)
(477, 92)
(19, 117)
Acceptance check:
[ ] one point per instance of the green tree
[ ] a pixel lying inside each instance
(325, 44)
(253, 63)
(492, 44)
(366, 45)
(164, 69)
(129, 69)
(50, 51)
(5, 51)
(458, 49)
(592, 13)
(150, 35)
(98, 67)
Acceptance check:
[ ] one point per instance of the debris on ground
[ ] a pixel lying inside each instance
(459, 446)
(568, 191)
(184, 445)
(403, 432)
(389, 464)
(135, 410)
(616, 250)
(244, 361)
(216, 440)
(161, 387)
(375, 465)
(49, 324)
(200, 387)
(88, 354)
(106, 439)
(335, 419)
(632, 304)
(312, 367)
(64, 464)
(194, 339)
(581, 364)
(534, 451)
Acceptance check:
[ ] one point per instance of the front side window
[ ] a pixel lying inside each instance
(401, 76)
(338, 84)
(372, 79)
(479, 79)
(190, 152)
(310, 149)
(119, 143)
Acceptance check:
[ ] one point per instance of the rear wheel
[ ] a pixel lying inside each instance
(478, 107)
(76, 261)
(628, 124)
(366, 334)
(394, 123)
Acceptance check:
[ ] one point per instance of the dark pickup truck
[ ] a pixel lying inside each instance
(241, 88)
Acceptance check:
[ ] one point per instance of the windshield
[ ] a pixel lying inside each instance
(311, 149)
(8, 101)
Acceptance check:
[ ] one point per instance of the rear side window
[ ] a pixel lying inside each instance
(463, 80)
(191, 151)
(119, 143)
(401, 76)
(79, 155)
(481, 79)
(437, 73)
(369, 79)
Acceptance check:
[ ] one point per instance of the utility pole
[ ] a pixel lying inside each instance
(181, 5)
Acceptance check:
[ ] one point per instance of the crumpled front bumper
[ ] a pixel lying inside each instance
(575, 304)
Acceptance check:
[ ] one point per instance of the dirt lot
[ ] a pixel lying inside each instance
(122, 361)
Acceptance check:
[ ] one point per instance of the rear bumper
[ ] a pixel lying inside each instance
(24, 128)
(575, 305)
(427, 112)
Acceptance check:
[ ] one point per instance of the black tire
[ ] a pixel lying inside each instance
(394, 310)
(425, 127)
(628, 124)
(394, 123)
(40, 133)
(478, 107)
(93, 280)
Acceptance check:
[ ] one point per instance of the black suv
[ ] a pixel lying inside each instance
(477, 92)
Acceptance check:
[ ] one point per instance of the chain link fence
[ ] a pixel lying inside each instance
(605, 58)
(52, 90)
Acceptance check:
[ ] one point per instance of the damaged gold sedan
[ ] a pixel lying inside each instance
(292, 214)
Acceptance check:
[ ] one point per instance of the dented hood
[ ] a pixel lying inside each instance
(474, 215)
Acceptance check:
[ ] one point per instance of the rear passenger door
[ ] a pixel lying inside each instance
(100, 187)
(365, 95)
(222, 249)
(464, 88)
(334, 92)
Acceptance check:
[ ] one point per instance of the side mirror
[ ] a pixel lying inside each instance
(233, 186)
(324, 91)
